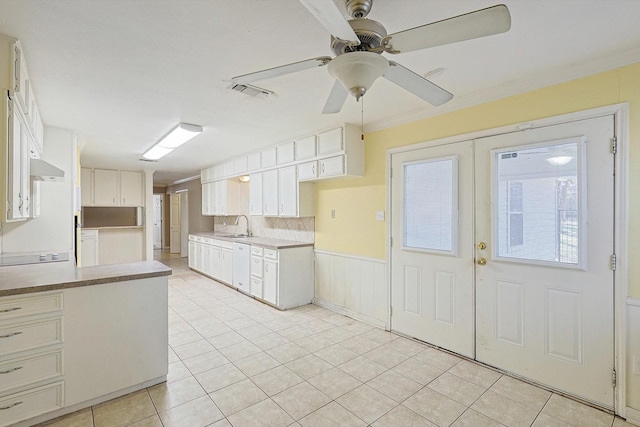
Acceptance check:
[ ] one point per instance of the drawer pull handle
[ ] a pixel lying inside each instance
(10, 335)
(10, 309)
(8, 371)
(10, 406)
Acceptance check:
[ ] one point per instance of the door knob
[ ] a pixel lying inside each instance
(481, 261)
(482, 245)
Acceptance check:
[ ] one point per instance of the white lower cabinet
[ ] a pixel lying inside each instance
(31, 356)
(89, 248)
(282, 277)
(211, 257)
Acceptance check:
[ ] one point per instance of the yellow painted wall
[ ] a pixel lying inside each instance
(355, 229)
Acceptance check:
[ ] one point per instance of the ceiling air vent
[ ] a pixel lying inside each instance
(253, 91)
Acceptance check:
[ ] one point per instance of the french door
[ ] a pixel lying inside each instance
(501, 251)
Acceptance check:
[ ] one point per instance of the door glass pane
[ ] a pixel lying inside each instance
(537, 209)
(430, 204)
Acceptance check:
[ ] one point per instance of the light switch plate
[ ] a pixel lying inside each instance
(380, 216)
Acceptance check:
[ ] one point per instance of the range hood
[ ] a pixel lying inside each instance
(43, 171)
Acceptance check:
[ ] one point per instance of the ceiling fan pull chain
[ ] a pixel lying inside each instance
(362, 119)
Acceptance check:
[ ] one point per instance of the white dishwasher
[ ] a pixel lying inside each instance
(242, 267)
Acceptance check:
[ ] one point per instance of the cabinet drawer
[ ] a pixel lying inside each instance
(11, 307)
(256, 266)
(270, 254)
(256, 251)
(256, 287)
(31, 369)
(29, 335)
(27, 404)
(225, 244)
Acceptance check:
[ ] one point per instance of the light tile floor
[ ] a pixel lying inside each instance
(234, 361)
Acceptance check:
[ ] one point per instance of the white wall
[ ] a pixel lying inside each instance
(54, 229)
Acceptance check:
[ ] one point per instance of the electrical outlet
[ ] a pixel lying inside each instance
(380, 216)
(333, 214)
(636, 365)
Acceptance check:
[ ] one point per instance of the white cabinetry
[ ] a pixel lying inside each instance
(31, 356)
(255, 194)
(17, 178)
(222, 197)
(283, 195)
(285, 153)
(340, 155)
(131, 188)
(211, 257)
(282, 277)
(105, 187)
(89, 248)
(253, 162)
(305, 148)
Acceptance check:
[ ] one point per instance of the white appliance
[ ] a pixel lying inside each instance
(242, 267)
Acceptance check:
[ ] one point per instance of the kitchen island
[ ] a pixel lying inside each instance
(74, 337)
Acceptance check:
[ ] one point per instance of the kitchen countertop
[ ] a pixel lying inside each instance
(116, 227)
(23, 279)
(265, 242)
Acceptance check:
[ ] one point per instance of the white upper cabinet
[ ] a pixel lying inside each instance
(222, 197)
(255, 194)
(305, 148)
(268, 157)
(240, 165)
(330, 142)
(270, 192)
(333, 166)
(105, 187)
(253, 162)
(308, 171)
(131, 191)
(285, 153)
(288, 191)
(229, 168)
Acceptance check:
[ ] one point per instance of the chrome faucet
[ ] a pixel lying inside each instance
(248, 231)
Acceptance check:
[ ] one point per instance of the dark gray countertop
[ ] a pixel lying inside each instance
(23, 279)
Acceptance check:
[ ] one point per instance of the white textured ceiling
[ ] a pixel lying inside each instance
(123, 72)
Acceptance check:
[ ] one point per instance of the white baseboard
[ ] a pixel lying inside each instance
(633, 416)
(345, 312)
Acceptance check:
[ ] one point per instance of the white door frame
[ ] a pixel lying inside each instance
(184, 222)
(620, 113)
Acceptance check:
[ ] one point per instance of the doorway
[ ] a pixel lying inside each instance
(500, 251)
(158, 221)
(184, 223)
(174, 221)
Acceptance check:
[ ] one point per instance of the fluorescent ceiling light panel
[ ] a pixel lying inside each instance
(177, 136)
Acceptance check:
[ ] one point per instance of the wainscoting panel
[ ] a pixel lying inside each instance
(632, 411)
(351, 285)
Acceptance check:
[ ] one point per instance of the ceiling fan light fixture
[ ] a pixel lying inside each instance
(357, 71)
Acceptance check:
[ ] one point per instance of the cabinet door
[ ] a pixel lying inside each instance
(14, 158)
(288, 191)
(131, 188)
(285, 153)
(86, 186)
(307, 171)
(255, 194)
(332, 166)
(192, 254)
(105, 187)
(268, 157)
(253, 162)
(206, 199)
(270, 281)
(89, 250)
(330, 142)
(306, 148)
(270, 193)
(240, 165)
(221, 196)
(226, 274)
(216, 263)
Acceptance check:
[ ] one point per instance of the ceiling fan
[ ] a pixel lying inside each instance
(359, 42)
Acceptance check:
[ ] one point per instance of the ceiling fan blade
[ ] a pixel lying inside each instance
(481, 23)
(282, 70)
(328, 14)
(416, 84)
(336, 99)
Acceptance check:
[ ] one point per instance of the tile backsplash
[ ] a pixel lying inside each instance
(296, 229)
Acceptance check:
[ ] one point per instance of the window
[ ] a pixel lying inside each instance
(431, 204)
(537, 212)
